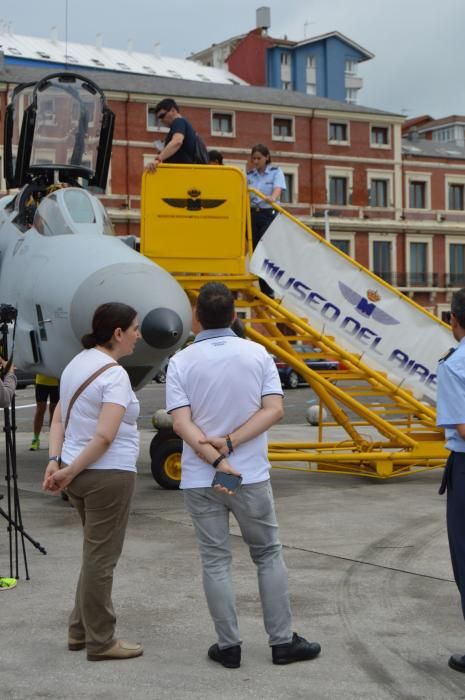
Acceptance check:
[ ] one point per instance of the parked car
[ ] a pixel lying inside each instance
(25, 378)
(291, 379)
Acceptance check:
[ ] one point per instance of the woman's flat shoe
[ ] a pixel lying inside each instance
(119, 650)
(75, 645)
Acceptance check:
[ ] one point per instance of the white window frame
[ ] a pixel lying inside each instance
(223, 134)
(453, 180)
(344, 237)
(383, 237)
(417, 177)
(387, 145)
(454, 240)
(336, 142)
(288, 139)
(291, 169)
(382, 175)
(243, 165)
(429, 255)
(340, 172)
(157, 127)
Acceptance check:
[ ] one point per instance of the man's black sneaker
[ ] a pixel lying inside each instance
(297, 650)
(229, 658)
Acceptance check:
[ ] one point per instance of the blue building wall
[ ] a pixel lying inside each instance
(330, 54)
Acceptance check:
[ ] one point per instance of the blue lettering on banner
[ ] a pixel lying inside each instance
(349, 325)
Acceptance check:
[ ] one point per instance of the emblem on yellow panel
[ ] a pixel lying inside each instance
(193, 202)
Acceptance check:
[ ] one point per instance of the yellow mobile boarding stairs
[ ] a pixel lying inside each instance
(376, 413)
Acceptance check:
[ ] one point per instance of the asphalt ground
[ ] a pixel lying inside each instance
(370, 579)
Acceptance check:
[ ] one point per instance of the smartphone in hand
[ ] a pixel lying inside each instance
(228, 481)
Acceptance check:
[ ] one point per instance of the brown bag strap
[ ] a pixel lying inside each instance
(85, 384)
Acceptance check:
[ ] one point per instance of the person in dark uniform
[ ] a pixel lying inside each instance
(269, 180)
(451, 416)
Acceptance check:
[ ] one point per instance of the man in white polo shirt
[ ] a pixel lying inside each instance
(224, 393)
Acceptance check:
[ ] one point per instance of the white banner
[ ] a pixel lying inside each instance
(343, 301)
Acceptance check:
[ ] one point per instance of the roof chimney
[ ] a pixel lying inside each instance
(263, 15)
(129, 45)
(54, 34)
(156, 49)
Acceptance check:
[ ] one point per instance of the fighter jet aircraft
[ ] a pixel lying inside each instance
(59, 259)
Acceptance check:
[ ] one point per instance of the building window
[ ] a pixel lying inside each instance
(457, 264)
(283, 128)
(379, 136)
(379, 193)
(418, 264)
(351, 95)
(284, 58)
(286, 85)
(287, 195)
(342, 244)
(351, 67)
(338, 131)
(382, 259)
(338, 190)
(456, 197)
(446, 134)
(310, 89)
(222, 123)
(417, 194)
(152, 122)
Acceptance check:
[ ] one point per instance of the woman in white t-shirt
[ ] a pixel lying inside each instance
(94, 438)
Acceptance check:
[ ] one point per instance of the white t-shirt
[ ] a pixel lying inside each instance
(223, 379)
(112, 386)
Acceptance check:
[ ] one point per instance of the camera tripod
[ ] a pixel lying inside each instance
(12, 515)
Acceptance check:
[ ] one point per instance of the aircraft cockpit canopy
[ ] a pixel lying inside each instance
(59, 129)
(71, 210)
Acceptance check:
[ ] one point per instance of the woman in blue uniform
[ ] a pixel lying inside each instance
(269, 180)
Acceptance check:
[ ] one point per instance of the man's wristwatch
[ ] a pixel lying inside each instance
(217, 461)
(55, 458)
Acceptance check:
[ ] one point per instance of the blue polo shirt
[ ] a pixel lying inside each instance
(222, 378)
(265, 182)
(451, 396)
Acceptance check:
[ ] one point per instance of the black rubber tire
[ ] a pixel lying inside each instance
(293, 380)
(166, 462)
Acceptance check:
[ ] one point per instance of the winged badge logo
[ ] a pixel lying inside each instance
(193, 202)
(366, 306)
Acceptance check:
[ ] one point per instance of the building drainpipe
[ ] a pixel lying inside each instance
(312, 111)
(126, 128)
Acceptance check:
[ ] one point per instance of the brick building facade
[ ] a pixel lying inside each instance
(397, 207)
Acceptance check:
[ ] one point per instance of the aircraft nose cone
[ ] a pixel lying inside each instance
(161, 328)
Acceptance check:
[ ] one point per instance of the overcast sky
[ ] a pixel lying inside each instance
(419, 45)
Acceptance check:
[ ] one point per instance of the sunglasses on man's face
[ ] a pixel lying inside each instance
(161, 115)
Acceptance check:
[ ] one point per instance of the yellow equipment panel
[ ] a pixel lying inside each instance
(193, 218)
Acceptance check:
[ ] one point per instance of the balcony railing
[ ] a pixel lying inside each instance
(424, 280)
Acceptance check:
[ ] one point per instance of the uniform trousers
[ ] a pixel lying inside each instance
(102, 498)
(261, 219)
(253, 507)
(454, 481)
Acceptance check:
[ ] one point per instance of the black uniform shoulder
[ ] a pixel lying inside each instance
(273, 167)
(251, 172)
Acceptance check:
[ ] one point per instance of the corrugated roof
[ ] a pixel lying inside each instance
(178, 88)
(18, 47)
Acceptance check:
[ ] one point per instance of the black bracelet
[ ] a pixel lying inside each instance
(229, 444)
(218, 460)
